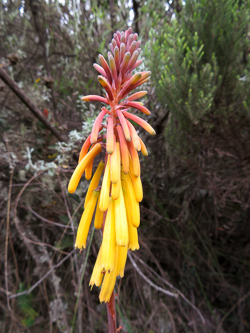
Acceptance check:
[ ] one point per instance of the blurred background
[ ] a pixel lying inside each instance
(195, 231)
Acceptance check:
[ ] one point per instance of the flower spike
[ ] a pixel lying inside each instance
(114, 199)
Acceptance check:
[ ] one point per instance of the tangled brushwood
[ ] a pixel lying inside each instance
(116, 201)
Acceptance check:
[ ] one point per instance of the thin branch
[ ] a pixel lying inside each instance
(17, 221)
(11, 167)
(20, 94)
(243, 298)
(81, 279)
(112, 13)
(42, 39)
(164, 291)
(71, 221)
(27, 292)
(178, 292)
(48, 221)
(17, 77)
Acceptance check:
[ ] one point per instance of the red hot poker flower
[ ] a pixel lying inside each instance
(121, 188)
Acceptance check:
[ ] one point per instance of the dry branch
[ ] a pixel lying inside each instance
(20, 94)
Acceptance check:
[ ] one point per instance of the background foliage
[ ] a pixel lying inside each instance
(194, 234)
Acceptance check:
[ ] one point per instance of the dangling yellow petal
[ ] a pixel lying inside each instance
(143, 148)
(133, 237)
(98, 216)
(108, 241)
(88, 170)
(121, 225)
(136, 183)
(75, 178)
(134, 136)
(104, 196)
(130, 200)
(84, 149)
(94, 182)
(135, 159)
(83, 229)
(97, 275)
(122, 258)
(108, 283)
(115, 190)
(138, 188)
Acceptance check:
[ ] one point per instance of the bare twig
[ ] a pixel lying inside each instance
(42, 40)
(164, 291)
(11, 167)
(67, 206)
(48, 221)
(79, 299)
(81, 279)
(16, 219)
(19, 93)
(17, 77)
(243, 298)
(178, 292)
(27, 292)
(170, 316)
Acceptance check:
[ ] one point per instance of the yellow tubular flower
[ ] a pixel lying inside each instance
(143, 148)
(118, 158)
(132, 231)
(94, 182)
(115, 163)
(75, 178)
(115, 190)
(133, 237)
(121, 225)
(98, 216)
(83, 229)
(130, 201)
(136, 183)
(108, 284)
(134, 136)
(137, 188)
(97, 275)
(122, 258)
(104, 196)
(123, 149)
(135, 159)
(88, 170)
(108, 241)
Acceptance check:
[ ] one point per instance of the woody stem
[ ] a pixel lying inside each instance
(111, 314)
